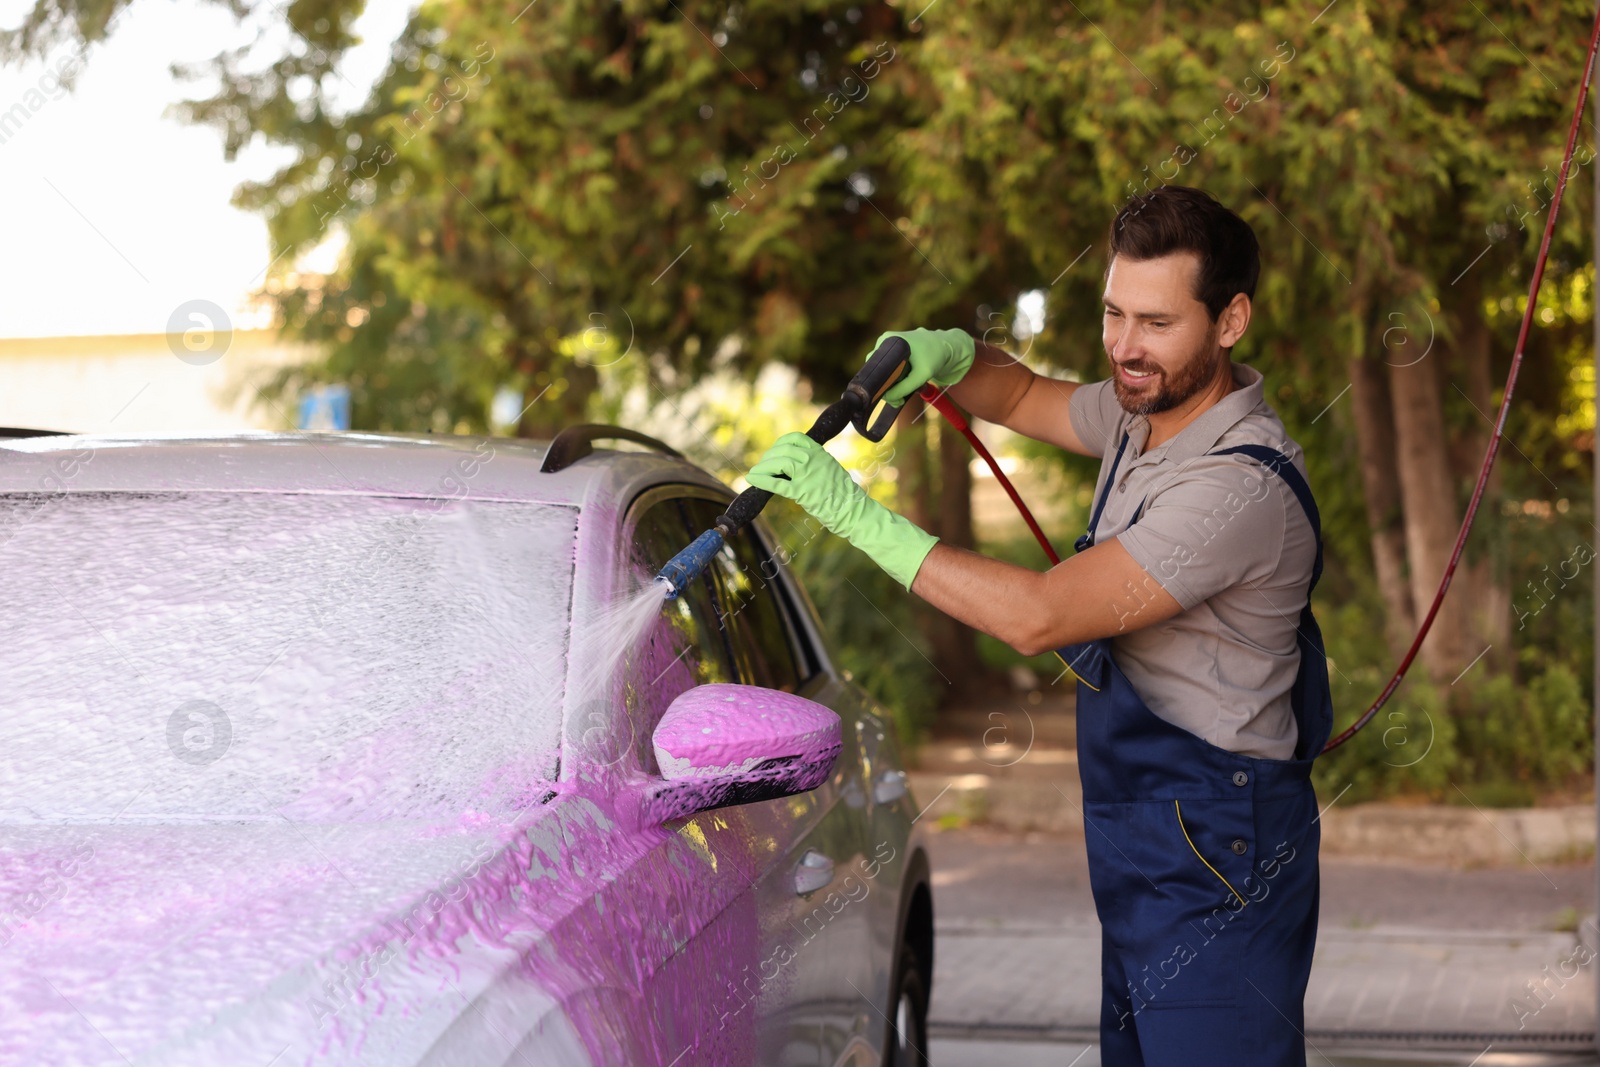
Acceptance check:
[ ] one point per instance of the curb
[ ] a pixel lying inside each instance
(1434, 833)
(1461, 836)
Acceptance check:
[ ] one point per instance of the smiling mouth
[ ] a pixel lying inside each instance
(1135, 377)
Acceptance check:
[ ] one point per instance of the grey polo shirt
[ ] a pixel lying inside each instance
(1229, 540)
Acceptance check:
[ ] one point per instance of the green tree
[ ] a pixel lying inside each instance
(603, 172)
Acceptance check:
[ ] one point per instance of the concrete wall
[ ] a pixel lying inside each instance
(135, 383)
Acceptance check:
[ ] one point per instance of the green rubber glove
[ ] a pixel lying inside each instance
(819, 484)
(942, 357)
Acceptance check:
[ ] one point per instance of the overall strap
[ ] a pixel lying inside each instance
(1094, 520)
(1279, 464)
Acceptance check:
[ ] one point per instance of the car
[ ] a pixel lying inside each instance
(371, 748)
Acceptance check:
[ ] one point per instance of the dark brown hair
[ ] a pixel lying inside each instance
(1176, 218)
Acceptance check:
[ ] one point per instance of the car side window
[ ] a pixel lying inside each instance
(686, 647)
(751, 611)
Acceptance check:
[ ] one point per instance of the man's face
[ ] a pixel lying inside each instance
(1161, 342)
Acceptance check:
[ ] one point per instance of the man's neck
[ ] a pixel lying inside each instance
(1166, 425)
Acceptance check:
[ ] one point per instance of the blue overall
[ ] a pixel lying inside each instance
(1203, 862)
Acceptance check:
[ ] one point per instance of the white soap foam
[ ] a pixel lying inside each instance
(245, 655)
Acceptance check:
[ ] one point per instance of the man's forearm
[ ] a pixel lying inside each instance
(986, 594)
(1001, 390)
(1099, 592)
(991, 388)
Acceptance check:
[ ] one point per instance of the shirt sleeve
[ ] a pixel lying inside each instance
(1093, 420)
(1218, 523)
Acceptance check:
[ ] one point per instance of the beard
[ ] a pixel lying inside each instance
(1159, 394)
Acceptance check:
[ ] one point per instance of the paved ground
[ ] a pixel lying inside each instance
(1407, 955)
(985, 875)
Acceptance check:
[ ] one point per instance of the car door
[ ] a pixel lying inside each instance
(734, 1000)
(815, 913)
(874, 783)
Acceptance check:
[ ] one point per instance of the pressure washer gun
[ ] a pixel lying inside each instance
(855, 408)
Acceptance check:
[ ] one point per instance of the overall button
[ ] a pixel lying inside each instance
(1239, 846)
(1240, 778)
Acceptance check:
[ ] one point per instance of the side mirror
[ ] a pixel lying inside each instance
(719, 745)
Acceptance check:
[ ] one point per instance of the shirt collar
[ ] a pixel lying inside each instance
(1197, 438)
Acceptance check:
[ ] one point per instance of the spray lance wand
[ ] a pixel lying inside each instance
(855, 408)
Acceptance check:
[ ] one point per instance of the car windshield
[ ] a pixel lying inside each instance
(249, 656)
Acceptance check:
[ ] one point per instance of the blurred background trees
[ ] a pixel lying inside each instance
(640, 210)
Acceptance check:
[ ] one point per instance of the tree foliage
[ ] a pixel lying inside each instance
(602, 172)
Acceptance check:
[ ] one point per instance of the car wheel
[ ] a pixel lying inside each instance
(908, 1018)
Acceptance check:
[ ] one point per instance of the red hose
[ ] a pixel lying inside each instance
(937, 398)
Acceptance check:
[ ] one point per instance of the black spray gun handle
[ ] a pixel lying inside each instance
(887, 365)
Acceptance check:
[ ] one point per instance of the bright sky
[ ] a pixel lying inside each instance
(116, 215)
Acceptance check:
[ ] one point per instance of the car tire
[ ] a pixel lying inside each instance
(908, 1013)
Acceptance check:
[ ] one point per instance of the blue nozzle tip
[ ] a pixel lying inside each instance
(686, 566)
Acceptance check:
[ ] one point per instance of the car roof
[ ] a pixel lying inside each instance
(366, 464)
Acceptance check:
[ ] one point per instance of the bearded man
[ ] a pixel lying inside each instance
(1185, 616)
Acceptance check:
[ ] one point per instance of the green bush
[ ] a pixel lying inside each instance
(1515, 727)
(1410, 747)
(1533, 735)
(1494, 744)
